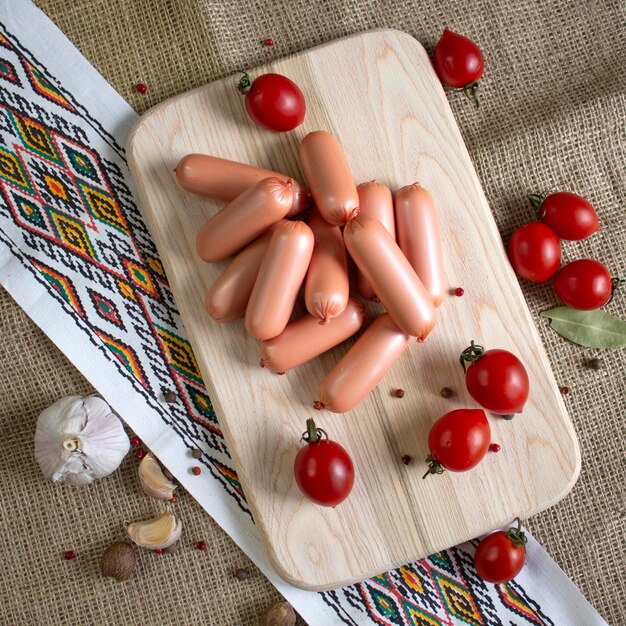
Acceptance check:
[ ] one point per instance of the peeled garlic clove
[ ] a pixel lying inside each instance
(153, 480)
(160, 532)
(79, 439)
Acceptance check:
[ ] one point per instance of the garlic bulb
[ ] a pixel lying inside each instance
(79, 439)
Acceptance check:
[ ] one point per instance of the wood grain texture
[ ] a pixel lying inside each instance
(393, 120)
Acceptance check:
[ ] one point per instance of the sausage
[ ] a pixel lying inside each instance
(228, 296)
(326, 287)
(244, 219)
(328, 175)
(418, 237)
(306, 338)
(221, 179)
(393, 279)
(363, 366)
(375, 200)
(281, 273)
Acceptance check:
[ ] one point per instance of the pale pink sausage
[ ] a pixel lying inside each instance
(244, 219)
(395, 282)
(221, 179)
(305, 338)
(326, 287)
(328, 175)
(228, 296)
(375, 200)
(418, 236)
(281, 274)
(363, 366)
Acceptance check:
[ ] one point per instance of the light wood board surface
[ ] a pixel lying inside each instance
(378, 94)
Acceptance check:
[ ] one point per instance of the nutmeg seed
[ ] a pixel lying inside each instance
(279, 614)
(118, 561)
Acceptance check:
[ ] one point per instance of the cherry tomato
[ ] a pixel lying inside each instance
(323, 469)
(570, 216)
(534, 252)
(496, 379)
(500, 556)
(458, 441)
(273, 101)
(459, 63)
(584, 284)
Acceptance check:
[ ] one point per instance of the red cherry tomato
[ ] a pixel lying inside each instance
(496, 379)
(459, 63)
(323, 469)
(534, 252)
(570, 216)
(273, 101)
(584, 284)
(500, 556)
(458, 441)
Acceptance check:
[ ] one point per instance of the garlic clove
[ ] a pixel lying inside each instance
(153, 480)
(154, 534)
(79, 439)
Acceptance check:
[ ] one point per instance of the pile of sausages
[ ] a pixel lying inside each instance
(397, 253)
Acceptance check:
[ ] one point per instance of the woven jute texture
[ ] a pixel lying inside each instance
(552, 117)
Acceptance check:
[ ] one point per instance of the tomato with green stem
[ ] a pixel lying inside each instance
(496, 379)
(500, 556)
(273, 101)
(584, 284)
(458, 441)
(323, 469)
(459, 63)
(569, 215)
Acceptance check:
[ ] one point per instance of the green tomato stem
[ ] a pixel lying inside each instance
(517, 535)
(471, 91)
(313, 434)
(245, 84)
(471, 354)
(434, 466)
(616, 285)
(536, 200)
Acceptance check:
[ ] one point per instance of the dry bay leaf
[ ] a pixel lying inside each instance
(592, 329)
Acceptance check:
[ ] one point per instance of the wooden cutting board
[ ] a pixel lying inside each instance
(378, 94)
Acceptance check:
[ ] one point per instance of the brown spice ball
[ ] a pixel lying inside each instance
(279, 614)
(446, 392)
(170, 396)
(118, 561)
(399, 393)
(241, 573)
(196, 453)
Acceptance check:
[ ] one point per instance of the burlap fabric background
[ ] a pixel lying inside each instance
(552, 117)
